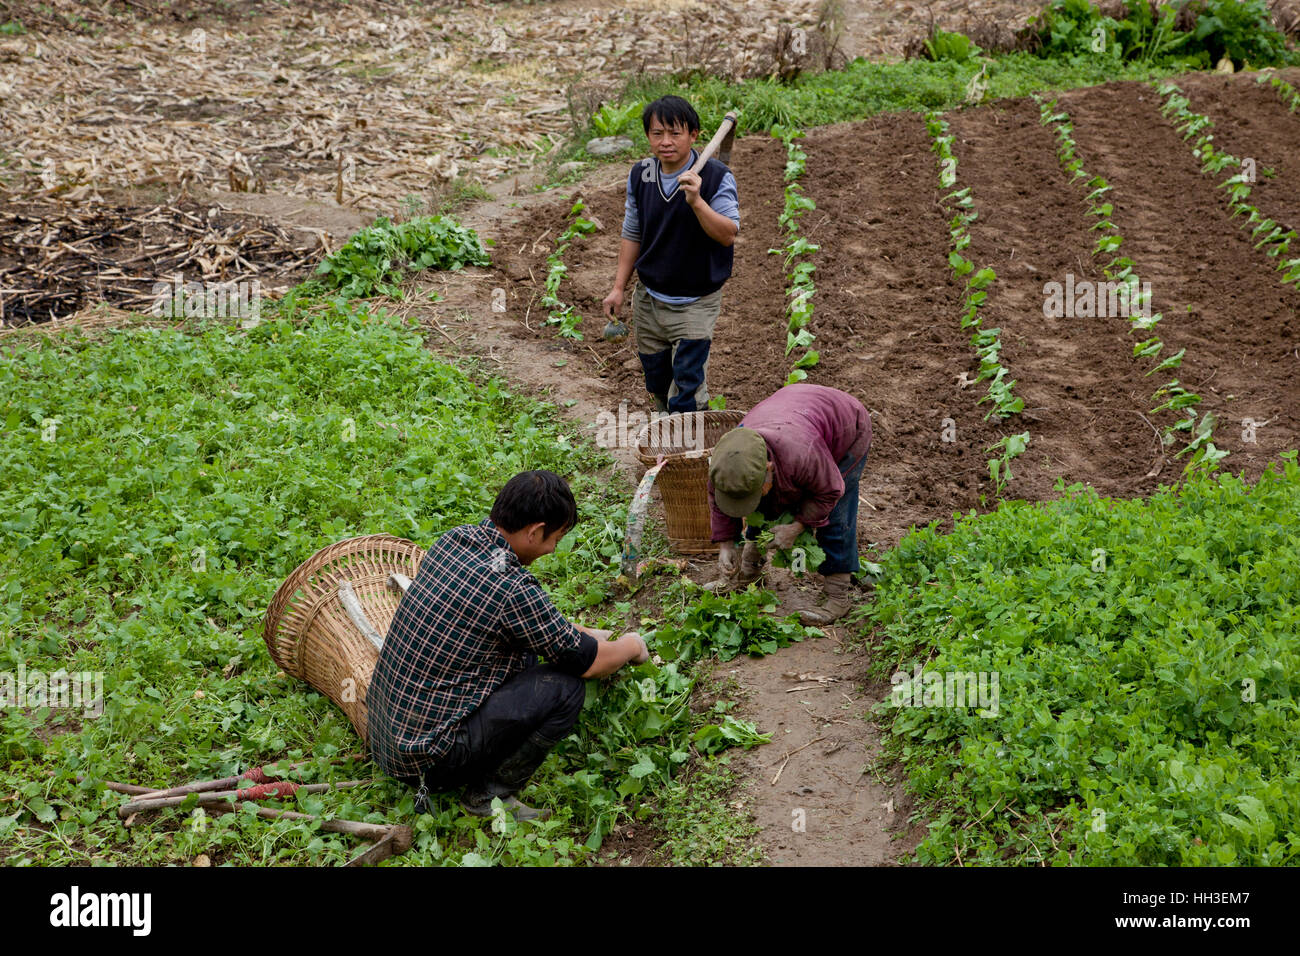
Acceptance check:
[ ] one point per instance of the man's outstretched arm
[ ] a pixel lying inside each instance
(612, 655)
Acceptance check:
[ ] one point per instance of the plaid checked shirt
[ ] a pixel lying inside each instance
(472, 619)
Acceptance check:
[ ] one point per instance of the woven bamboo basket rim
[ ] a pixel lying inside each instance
(712, 417)
(313, 584)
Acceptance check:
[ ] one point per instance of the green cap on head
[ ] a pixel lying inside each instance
(738, 470)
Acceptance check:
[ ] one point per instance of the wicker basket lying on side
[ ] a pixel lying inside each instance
(309, 631)
(686, 440)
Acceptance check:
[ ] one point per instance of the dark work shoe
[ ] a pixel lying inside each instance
(478, 803)
(839, 600)
(508, 779)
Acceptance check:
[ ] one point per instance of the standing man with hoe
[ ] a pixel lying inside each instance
(679, 227)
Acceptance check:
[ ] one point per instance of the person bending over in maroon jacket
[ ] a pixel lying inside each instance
(801, 451)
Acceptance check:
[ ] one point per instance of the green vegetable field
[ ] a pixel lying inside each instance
(1051, 250)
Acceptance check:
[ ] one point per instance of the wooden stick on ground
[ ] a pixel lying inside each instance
(791, 754)
(390, 839)
(116, 787)
(252, 775)
(259, 792)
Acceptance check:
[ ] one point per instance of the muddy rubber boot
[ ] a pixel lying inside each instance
(518, 810)
(507, 779)
(839, 599)
(751, 565)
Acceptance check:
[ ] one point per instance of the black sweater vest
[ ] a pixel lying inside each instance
(677, 256)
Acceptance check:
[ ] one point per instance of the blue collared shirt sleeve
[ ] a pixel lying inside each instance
(725, 200)
(631, 215)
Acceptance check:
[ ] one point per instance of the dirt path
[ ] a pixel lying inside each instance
(1221, 299)
(814, 789)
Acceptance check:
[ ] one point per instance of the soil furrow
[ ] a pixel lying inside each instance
(1084, 394)
(1220, 298)
(1251, 122)
(887, 324)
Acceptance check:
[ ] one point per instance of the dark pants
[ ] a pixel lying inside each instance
(540, 701)
(839, 536)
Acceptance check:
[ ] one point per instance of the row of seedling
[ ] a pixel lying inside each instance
(1289, 94)
(987, 342)
(799, 307)
(557, 312)
(1171, 396)
(1270, 237)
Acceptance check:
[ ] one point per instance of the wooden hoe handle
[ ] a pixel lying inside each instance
(725, 128)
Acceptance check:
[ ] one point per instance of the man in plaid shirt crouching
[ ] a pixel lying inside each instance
(458, 696)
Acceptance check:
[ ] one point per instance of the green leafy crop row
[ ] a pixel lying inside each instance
(987, 342)
(1147, 693)
(557, 312)
(799, 309)
(1271, 237)
(1288, 93)
(1171, 396)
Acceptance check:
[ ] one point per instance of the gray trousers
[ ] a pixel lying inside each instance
(673, 344)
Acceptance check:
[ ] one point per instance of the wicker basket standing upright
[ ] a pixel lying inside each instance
(309, 631)
(686, 440)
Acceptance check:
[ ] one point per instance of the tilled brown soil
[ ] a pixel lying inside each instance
(887, 311)
(1221, 299)
(886, 320)
(1085, 397)
(1251, 121)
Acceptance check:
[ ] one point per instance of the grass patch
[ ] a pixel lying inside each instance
(461, 192)
(699, 824)
(863, 89)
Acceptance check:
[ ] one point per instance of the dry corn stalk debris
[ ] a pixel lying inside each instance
(56, 258)
(386, 100)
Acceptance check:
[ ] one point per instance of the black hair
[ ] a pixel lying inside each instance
(533, 496)
(671, 111)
